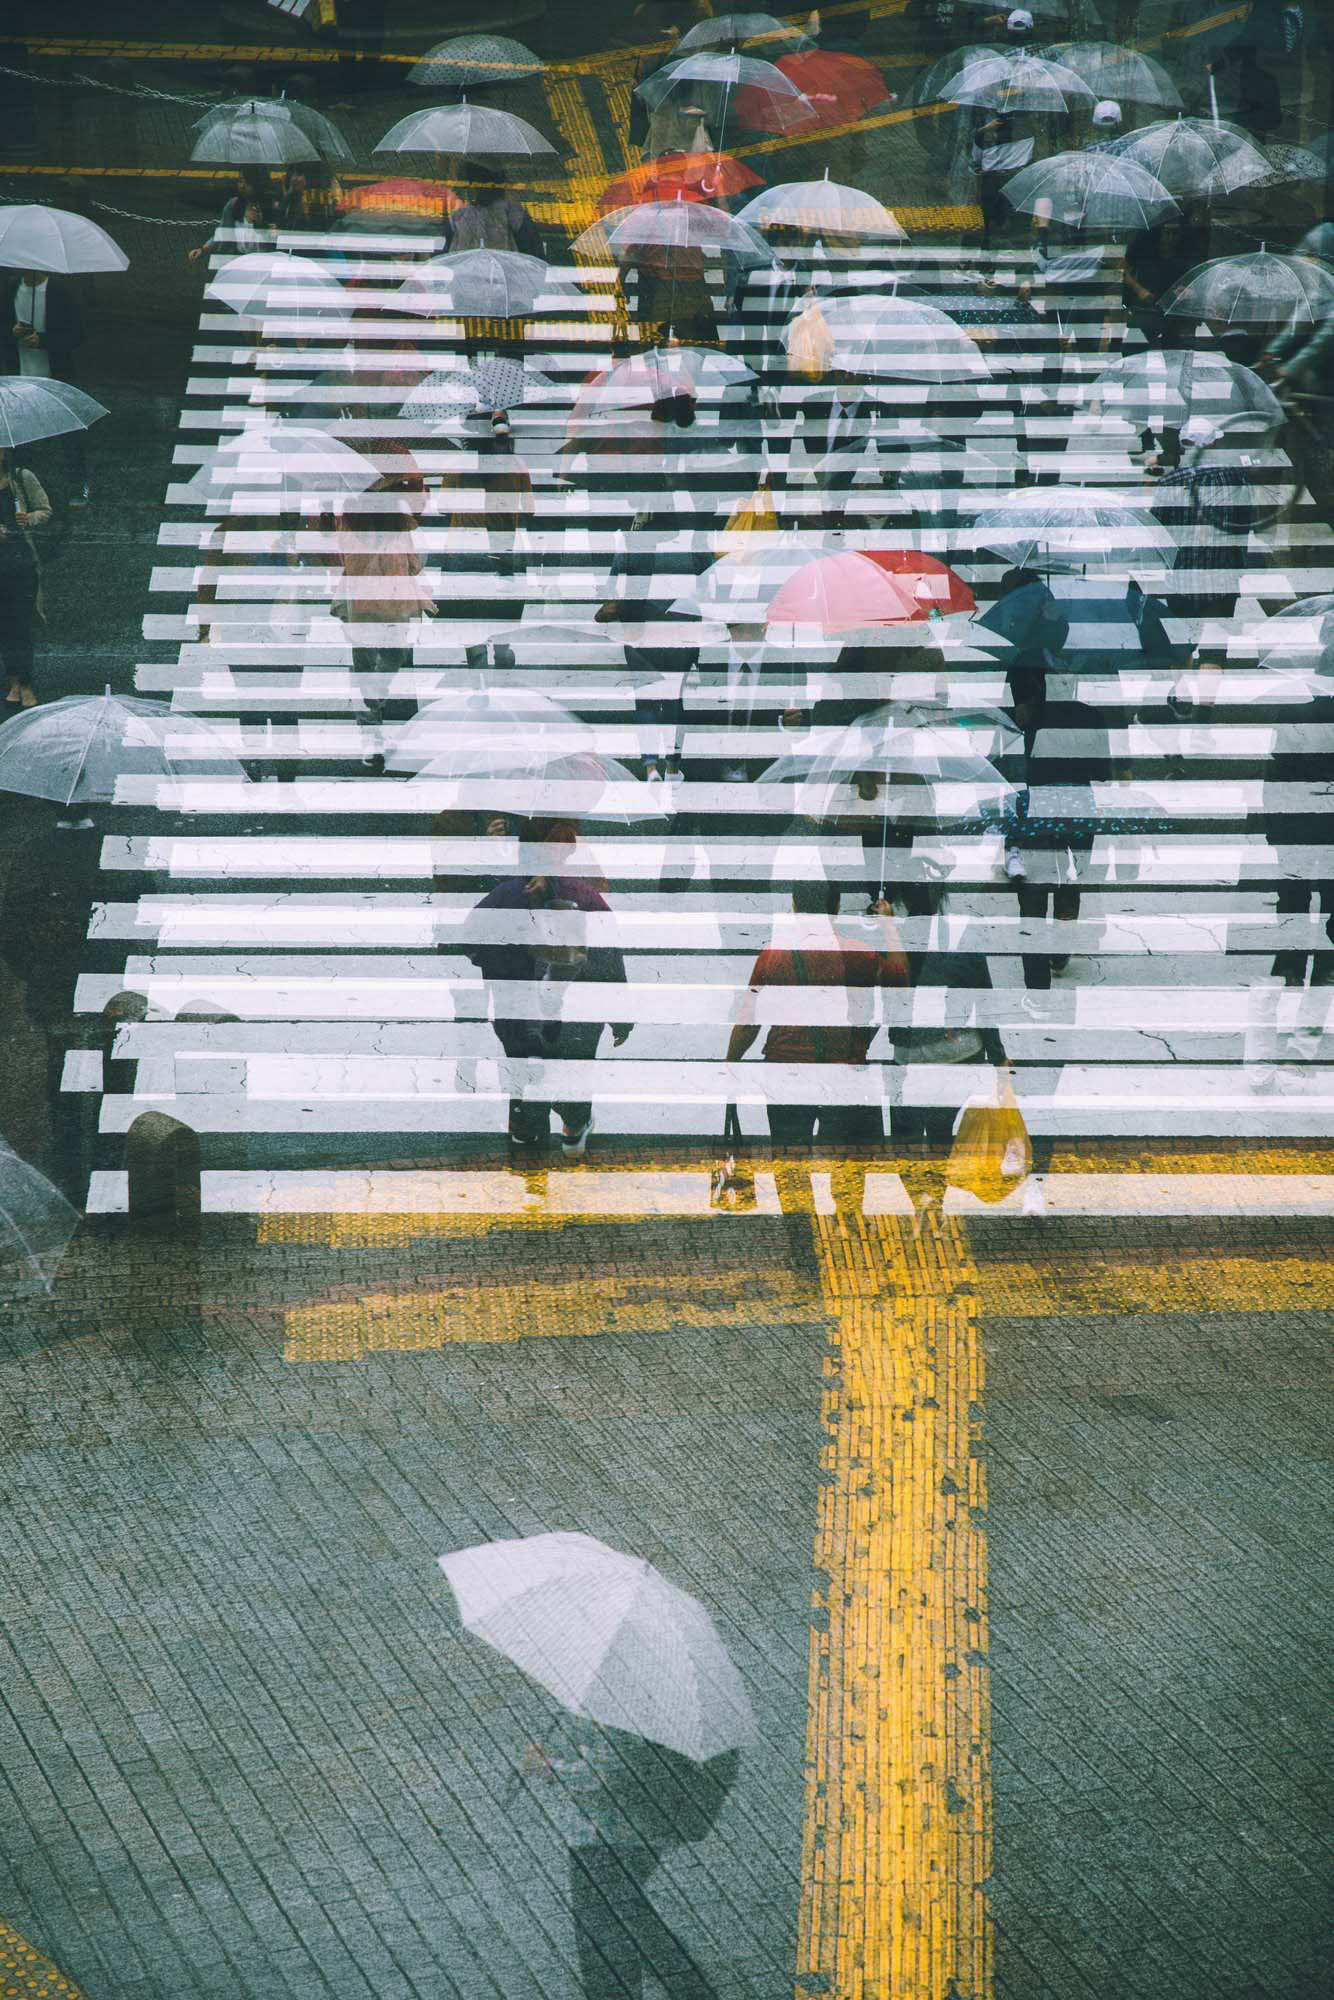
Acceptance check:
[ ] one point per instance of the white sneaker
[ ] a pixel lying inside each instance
(1035, 1197)
(575, 1144)
(1014, 863)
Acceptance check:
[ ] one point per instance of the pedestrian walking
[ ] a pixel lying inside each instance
(538, 973)
(489, 217)
(41, 330)
(24, 507)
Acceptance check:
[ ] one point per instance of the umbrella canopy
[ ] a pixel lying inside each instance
(1126, 75)
(737, 31)
(445, 396)
(609, 1636)
(36, 1221)
(559, 772)
(1167, 386)
(930, 86)
(669, 225)
(934, 584)
(694, 176)
(899, 765)
(277, 458)
(824, 207)
(902, 340)
(1259, 288)
(1300, 631)
(1194, 157)
(76, 750)
(481, 284)
(839, 88)
(467, 59)
(36, 238)
(322, 133)
(1016, 81)
(1085, 190)
(842, 592)
(1070, 527)
(646, 378)
(773, 102)
(466, 716)
(39, 406)
(470, 131)
(255, 136)
(271, 281)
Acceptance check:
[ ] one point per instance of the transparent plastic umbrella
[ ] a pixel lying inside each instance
(1071, 528)
(275, 281)
(645, 379)
(36, 238)
(823, 207)
(537, 775)
(1258, 288)
(36, 1224)
(39, 406)
(481, 284)
(471, 131)
(1166, 386)
(77, 750)
(322, 133)
(785, 107)
(921, 769)
(255, 137)
(669, 225)
(901, 339)
(608, 1635)
(929, 88)
(455, 723)
(282, 459)
(443, 397)
(1193, 157)
(1090, 190)
(738, 31)
(1128, 76)
(467, 59)
(1017, 81)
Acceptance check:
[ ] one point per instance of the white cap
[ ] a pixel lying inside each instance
(1107, 112)
(1020, 20)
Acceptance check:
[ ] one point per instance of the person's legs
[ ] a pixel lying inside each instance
(1033, 899)
(1065, 908)
(18, 600)
(792, 1127)
(840, 1127)
(1294, 899)
(619, 1937)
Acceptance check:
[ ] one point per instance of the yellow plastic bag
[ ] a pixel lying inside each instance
(810, 344)
(754, 516)
(992, 1154)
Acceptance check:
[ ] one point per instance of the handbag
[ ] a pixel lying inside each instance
(732, 1183)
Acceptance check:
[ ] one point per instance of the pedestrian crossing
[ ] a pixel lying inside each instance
(299, 925)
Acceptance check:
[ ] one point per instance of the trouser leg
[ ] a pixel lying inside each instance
(1033, 902)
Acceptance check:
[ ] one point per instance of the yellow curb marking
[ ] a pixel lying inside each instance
(25, 1974)
(896, 1850)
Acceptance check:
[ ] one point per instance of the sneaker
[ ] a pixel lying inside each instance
(82, 497)
(1035, 1197)
(1014, 863)
(574, 1144)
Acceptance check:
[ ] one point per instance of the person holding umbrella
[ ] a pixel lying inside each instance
(41, 327)
(23, 507)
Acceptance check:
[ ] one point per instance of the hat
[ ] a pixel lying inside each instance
(1019, 22)
(1107, 112)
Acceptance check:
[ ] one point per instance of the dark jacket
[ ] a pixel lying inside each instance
(64, 324)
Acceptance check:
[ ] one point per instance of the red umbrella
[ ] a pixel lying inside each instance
(935, 585)
(426, 200)
(694, 176)
(841, 592)
(840, 88)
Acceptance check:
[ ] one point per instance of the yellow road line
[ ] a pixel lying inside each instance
(896, 1849)
(25, 1974)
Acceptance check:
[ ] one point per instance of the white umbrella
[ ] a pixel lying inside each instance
(1259, 288)
(274, 281)
(1084, 190)
(645, 379)
(457, 722)
(480, 284)
(902, 340)
(609, 1636)
(1166, 386)
(1015, 81)
(1126, 75)
(1194, 156)
(930, 86)
(281, 458)
(321, 131)
(36, 1221)
(671, 225)
(468, 59)
(786, 107)
(39, 406)
(255, 137)
(76, 750)
(36, 238)
(826, 207)
(1071, 527)
(733, 31)
(472, 131)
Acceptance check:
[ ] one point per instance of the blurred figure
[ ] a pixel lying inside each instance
(547, 970)
(1003, 141)
(249, 218)
(490, 218)
(1299, 361)
(23, 508)
(41, 330)
(1154, 259)
(948, 964)
(380, 592)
